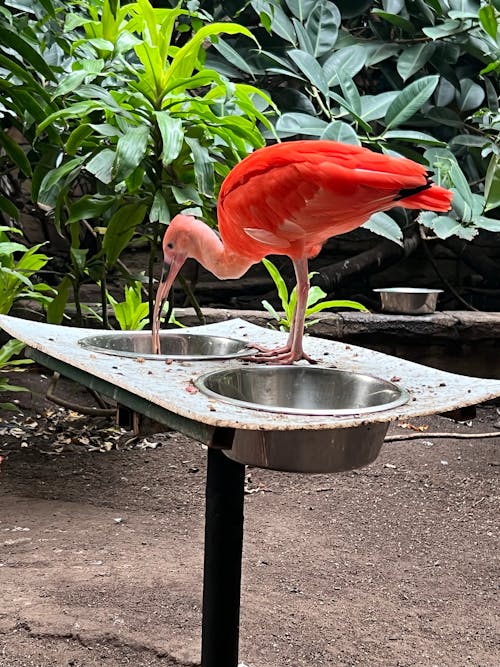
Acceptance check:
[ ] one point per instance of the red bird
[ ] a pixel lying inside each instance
(288, 199)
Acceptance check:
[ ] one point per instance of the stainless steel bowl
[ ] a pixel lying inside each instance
(408, 300)
(332, 450)
(307, 390)
(173, 345)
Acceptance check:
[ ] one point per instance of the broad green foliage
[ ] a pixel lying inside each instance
(315, 300)
(119, 115)
(18, 264)
(132, 314)
(9, 362)
(418, 79)
(127, 124)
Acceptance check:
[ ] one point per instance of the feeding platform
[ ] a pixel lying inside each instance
(323, 418)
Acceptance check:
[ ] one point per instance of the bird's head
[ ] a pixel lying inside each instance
(177, 245)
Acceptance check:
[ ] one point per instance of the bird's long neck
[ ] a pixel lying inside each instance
(208, 249)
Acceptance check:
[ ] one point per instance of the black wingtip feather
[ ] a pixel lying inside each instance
(409, 192)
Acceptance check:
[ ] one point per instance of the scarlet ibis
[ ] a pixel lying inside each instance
(288, 199)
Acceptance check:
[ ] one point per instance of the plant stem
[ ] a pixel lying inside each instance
(192, 299)
(104, 303)
(78, 305)
(151, 264)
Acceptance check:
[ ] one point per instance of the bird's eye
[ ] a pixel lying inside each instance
(170, 246)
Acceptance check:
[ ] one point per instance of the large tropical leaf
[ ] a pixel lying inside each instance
(410, 100)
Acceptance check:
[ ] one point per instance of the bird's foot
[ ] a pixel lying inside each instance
(279, 355)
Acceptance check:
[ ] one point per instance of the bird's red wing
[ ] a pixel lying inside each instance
(291, 197)
(302, 205)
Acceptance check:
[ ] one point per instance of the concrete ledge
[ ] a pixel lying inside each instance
(449, 325)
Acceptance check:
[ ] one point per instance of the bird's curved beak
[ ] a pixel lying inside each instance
(168, 275)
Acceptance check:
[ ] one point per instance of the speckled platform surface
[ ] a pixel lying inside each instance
(170, 386)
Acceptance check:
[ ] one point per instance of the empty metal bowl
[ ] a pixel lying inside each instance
(307, 390)
(408, 300)
(173, 345)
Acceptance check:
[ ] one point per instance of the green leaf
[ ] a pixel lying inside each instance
(121, 229)
(290, 124)
(449, 173)
(491, 67)
(159, 209)
(89, 207)
(11, 64)
(305, 43)
(374, 107)
(413, 58)
(77, 137)
(152, 80)
(71, 82)
(279, 21)
(322, 26)
(17, 43)
(396, 20)
(232, 56)
(445, 116)
(301, 8)
(444, 29)
(343, 303)
(350, 92)
(349, 60)
(489, 224)
(378, 52)
(311, 68)
(492, 184)
(413, 137)
(15, 152)
(55, 309)
(344, 104)
(131, 314)
(55, 176)
(337, 130)
(279, 282)
(11, 348)
(10, 247)
(101, 165)
(172, 135)
(410, 100)
(79, 259)
(383, 225)
(186, 58)
(203, 167)
(77, 110)
(471, 95)
(489, 21)
(130, 151)
(445, 226)
(8, 207)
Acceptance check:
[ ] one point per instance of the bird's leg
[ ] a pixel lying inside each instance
(293, 350)
(296, 337)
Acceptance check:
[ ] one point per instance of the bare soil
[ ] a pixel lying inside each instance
(101, 549)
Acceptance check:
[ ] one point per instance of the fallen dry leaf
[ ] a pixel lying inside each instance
(413, 427)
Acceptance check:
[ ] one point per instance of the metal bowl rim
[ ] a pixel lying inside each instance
(407, 290)
(245, 351)
(199, 382)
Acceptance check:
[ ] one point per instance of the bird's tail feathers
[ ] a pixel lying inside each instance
(433, 198)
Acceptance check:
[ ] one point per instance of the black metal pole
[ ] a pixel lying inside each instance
(223, 552)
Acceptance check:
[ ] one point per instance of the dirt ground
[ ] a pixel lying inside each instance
(101, 549)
